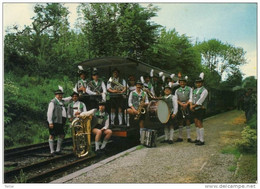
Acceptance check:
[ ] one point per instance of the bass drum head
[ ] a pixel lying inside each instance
(163, 112)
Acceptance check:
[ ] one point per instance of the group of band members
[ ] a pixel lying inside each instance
(184, 104)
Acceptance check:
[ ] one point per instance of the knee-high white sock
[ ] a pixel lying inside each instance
(120, 118)
(127, 120)
(141, 129)
(180, 131)
(51, 144)
(198, 133)
(104, 144)
(188, 131)
(112, 115)
(171, 134)
(97, 145)
(202, 134)
(166, 133)
(59, 142)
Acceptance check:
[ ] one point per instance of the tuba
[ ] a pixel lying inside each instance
(81, 135)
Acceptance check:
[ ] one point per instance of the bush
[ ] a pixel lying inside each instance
(248, 142)
(26, 102)
(253, 122)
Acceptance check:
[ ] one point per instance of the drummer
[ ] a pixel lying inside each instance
(171, 101)
(134, 102)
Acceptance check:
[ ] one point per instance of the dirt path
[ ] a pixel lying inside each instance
(178, 163)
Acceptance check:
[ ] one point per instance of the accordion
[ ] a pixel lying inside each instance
(148, 137)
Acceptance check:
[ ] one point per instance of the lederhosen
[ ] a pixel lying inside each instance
(136, 100)
(183, 95)
(58, 120)
(170, 106)
(94, 99)
(199, 111)
(99, 120)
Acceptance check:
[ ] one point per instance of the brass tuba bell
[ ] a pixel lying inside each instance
(81, 135)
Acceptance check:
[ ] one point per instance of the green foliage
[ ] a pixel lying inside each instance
(120, 29)
(26, 101)
(231, 150)
(220, 57)
(252, 123)
(248, 142)
(174, 52)
(250, 82)
(22, 178)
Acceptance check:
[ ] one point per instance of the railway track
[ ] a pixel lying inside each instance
(50, 168)
(14, 153)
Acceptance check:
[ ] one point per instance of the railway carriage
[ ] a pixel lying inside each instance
(127, 67)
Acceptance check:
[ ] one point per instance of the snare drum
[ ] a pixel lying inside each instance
(158, 111)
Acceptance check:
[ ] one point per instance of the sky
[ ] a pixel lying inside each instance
(232, 23)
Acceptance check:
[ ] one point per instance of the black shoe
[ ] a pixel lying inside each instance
(170, 142)
(196, 141)
(57, 153)
(52, 154)
(190, 141)
(98, 152)
(165, 141)
(179, 140)
(200, 143)
(104, 150)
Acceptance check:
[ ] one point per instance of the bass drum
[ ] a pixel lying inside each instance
(158, 111)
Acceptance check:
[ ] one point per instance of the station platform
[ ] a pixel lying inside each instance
(180, 162)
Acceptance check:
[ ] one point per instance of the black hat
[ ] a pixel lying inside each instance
(183, 79)
(74, 93)
(82, 72)
(102, 103)
(115, 69)
(199, 79)
(146, 75)
(139, 82)
(155, 75)
(95, 72)
(168, 86)
(58, 92)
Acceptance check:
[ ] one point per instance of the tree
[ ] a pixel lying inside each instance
(174, 52)
(118, 29)
(221, 57)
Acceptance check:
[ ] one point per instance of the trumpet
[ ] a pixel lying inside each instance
(119, 86)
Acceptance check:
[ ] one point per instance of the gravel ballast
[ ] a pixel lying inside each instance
(180, 162)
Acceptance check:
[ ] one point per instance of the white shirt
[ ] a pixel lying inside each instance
(203, 96)
(51, 108)
(77, 104)
(130, 98)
